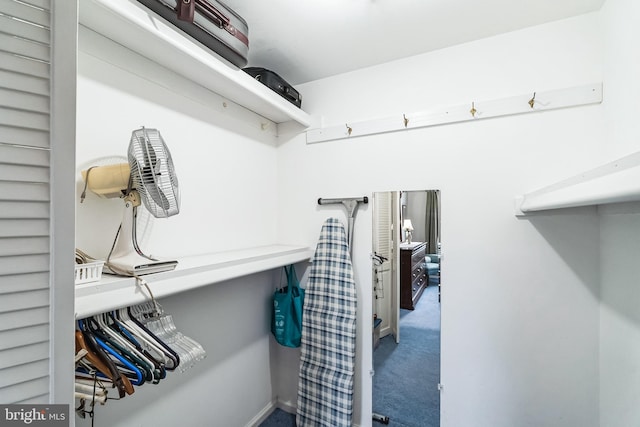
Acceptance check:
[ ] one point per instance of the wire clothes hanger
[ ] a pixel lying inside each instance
(351, 204)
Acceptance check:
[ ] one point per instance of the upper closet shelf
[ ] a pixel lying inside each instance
(615, 182)
(132, 25)
(114, 292)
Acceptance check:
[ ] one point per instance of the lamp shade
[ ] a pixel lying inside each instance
(407, 225)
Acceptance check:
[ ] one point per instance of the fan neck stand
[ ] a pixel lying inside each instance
(127, 258)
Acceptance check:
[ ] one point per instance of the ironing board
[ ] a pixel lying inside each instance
(328, 345)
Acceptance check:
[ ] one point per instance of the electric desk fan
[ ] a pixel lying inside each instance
(148, 178)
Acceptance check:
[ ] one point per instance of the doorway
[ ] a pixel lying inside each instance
(406, 296)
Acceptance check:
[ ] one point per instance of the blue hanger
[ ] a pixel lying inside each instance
(139, 377)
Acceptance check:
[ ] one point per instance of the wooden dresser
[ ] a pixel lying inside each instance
(413, 275)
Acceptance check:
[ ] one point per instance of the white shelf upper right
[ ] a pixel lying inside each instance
(614, 182)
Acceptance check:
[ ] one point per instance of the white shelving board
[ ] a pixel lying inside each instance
(114, 292)
(131, 25)
(614, 182)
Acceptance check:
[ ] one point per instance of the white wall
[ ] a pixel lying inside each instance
(619, 247)
(226, 168)
(225, 163)
(519, 297)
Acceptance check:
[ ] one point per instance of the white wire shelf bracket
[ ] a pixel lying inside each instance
(475, 110)
(131, 25)
(114, 292)
(614, 182)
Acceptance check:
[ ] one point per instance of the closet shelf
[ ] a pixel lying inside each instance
(132, 25)
(113, 292)
(614, 182)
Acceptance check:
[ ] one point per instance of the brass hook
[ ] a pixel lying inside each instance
(349, 130)
(532, 101)
(473, 110)
(406, 121)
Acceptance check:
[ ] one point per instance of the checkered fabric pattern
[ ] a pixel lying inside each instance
(325, 385)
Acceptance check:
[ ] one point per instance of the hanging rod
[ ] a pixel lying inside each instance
(351, 204)
(521, 104)
(364, 200)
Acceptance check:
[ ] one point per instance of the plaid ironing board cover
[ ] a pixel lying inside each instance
(325, 385)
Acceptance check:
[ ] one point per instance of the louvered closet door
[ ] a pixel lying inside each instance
(382, 226)
(24, 201)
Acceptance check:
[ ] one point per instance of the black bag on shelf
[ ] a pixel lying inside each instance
(275, 83)
(211, 23)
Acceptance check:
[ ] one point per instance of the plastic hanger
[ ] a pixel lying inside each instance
(152, 317)
(103, 364)
(156, 362)
(172, 359)
(121, 356)
(113, 337)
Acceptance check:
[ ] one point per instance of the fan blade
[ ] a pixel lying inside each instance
(149, 174)
(158, 196)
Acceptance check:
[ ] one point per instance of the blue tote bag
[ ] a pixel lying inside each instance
(286, 316)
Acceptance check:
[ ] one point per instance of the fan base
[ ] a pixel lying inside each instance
(124, 266)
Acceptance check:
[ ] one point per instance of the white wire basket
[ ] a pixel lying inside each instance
(89, 272)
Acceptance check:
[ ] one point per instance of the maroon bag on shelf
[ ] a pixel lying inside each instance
(209, 22)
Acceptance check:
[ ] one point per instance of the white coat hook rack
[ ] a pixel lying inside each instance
(480, 110)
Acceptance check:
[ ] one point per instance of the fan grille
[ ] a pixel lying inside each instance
(153, 174)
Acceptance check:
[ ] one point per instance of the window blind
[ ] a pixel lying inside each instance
(24, 201)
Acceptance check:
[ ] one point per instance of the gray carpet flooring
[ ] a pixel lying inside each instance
(405, 384)
(280, 418)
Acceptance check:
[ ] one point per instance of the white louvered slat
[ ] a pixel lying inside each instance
(23, 191)
(26, 137)
(24, 173)
(24, 319)
(42, 4)
(24, 372)
(26, 48)
(20, 10)
(24, 101)
(24, 119)
(24, 227)
(24, 300)
(35, 391)
(22, 65)
(23, 155)
(23, 246)
(25, 242)
(24, 282)
(37, 400)
(24, 83)
(26, 354)
(24, 30)
(24, 210)
(383, 204)
(21, 264)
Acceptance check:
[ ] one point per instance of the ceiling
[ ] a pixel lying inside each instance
(306, 40)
